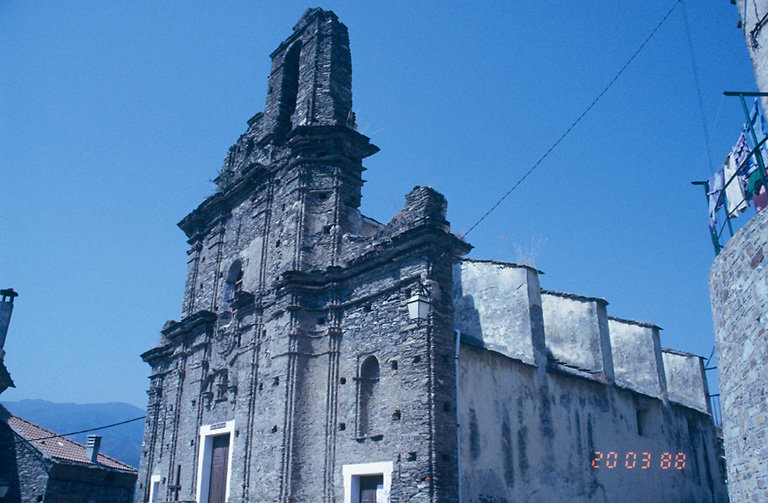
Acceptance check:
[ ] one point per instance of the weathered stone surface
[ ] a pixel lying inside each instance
(296, 342)
(577, 337)
(637, 362)
(24, 467)
(493, 303)
(752, 24)
(686, 379)
(738, 283)
(528, 430)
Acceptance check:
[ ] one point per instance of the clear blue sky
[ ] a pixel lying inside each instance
(114, 116)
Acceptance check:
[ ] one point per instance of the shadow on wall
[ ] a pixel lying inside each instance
(467, 320)
(470, 317)
(9, 470)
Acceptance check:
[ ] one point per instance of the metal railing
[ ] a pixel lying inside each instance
(717, 415)
(722, 214)
(714, 398)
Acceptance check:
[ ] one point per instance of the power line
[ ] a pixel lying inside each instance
(578, 119)
(698, 87)
(88, 430)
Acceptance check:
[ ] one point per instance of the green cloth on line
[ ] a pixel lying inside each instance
(754, 182)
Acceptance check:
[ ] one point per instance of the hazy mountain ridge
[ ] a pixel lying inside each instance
(121, 442)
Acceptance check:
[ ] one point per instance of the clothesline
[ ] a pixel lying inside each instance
(741, 166)
(741, 179)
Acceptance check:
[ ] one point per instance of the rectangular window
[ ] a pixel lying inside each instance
(154, 489)
(367, 482)
(371, 488)
(214, 468)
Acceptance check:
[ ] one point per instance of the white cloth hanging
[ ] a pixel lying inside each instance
(734, 190)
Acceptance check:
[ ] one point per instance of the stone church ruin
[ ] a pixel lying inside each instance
(324, 356)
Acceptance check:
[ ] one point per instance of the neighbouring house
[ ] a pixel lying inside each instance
(324, 356)
(39, 466)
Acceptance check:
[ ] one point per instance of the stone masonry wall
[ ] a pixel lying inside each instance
(738, 283)
(70, 483)
(292, 385)
(24, 467)
(752, 22)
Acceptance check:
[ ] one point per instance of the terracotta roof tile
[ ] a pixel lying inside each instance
(59, 448)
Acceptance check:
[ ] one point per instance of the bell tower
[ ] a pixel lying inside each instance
(311, 79)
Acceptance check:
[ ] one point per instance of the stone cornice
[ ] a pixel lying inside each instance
(157, 353)
(189, 324)
(385, 251)
(358, 142)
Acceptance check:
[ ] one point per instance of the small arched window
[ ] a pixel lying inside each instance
(369, 378)
(234, 281)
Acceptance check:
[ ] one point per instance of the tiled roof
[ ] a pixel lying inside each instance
(59, 448)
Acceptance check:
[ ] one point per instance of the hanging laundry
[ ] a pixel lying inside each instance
(734, 189)
(754, 113)
(755, 181)
(763, 125)
(741, 149)
(750, 168)
(760, 199)
(756, 186)
(714, 190)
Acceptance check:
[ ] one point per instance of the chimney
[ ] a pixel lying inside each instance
(6, 308)
(92, 448)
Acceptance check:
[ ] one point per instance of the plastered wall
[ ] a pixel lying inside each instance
(530, 427)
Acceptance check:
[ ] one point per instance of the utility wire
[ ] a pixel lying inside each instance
(698, 87)
(578, 119)
(714, 124)
(89, 429)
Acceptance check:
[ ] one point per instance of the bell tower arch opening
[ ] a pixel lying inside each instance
(289, 89)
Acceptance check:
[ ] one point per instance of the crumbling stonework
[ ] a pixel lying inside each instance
(754, 24)
(297, 356)
(738, 283)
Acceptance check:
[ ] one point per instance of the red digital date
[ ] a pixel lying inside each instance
(611, 460)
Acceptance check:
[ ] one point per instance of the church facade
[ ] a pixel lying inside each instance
(324, 356)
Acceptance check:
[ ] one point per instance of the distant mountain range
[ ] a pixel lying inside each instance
(121, 442)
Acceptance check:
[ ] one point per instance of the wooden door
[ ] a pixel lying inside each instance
(368, 486)
(218, 486)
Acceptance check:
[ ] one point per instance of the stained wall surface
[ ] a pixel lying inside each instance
(577, 336)
(494, 303)
(686, 379)
(752, 24)
(738, 283)
(636, 351)
(530, 435)
(530, 430)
